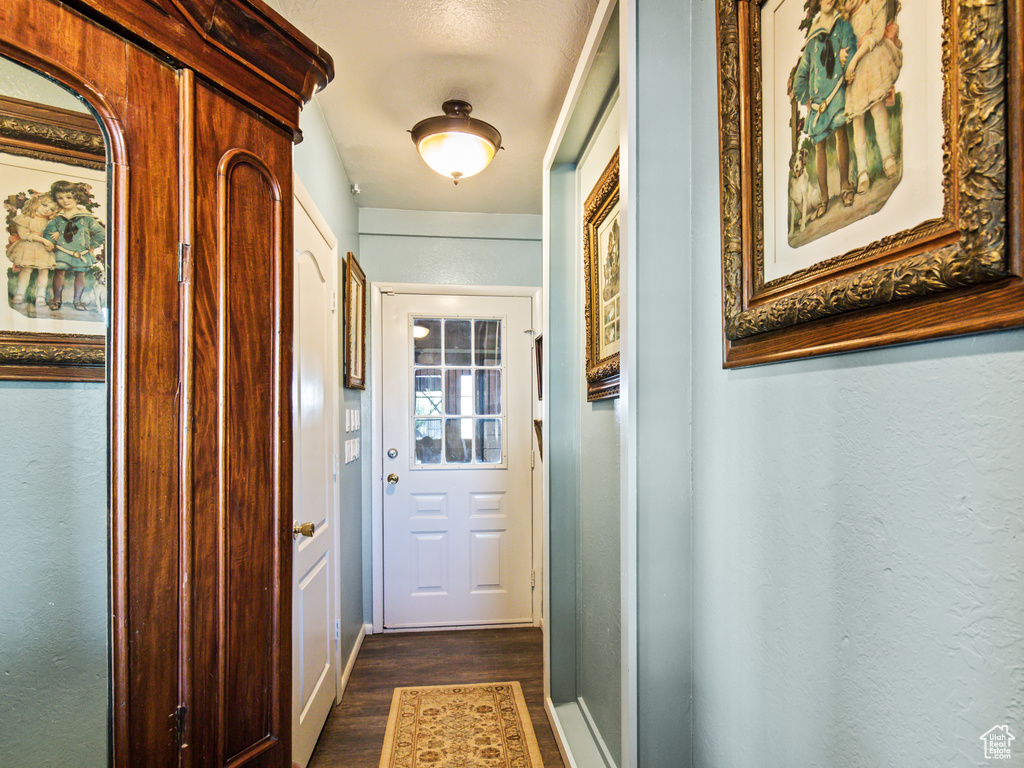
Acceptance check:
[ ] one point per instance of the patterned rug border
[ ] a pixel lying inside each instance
(526, 724)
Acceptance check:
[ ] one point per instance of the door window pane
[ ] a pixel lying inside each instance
(426, 341)
(488, 342)
(458, 391)
(428, 441)
(488, 392)
(458, 342)
(458, 441)
(427, 388)
(488, 441)
(457, 379)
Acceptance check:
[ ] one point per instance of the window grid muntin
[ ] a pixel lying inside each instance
(481, 361)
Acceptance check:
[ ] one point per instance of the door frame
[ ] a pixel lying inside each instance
(377, 291)
(303, 198)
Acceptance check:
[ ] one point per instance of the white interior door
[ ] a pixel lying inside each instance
(457, 450)
(314, 396)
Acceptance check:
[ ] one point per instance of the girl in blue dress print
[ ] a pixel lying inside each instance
(819, 82)
(76, 234)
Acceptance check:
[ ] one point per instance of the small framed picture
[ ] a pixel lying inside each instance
(53, 183)
(601, 278)
(872, 184)
(538, 350)
(355, 324)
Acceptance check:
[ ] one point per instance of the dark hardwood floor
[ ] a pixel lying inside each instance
(354, 734)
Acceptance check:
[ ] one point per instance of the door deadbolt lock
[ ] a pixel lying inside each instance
(306, 529)
(392, 453)
(392, 478)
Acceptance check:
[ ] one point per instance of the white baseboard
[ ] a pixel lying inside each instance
(556, 729)
(363, 631)
(577, 738)
(605, 752)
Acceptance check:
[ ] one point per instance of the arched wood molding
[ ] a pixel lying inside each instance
(242, 46)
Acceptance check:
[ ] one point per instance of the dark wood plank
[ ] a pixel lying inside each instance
(243, 46)
(240, 586)
(146, 328)
(354, 734)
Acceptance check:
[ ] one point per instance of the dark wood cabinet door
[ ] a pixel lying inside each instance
(237, 611)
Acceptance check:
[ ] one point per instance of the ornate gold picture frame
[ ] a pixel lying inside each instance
(355, 324)
(915, 229)
(603, 300)
(40, 145)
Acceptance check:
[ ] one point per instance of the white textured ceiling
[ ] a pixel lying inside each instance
(397, 60)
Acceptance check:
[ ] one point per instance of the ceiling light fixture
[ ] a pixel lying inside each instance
(455, 144)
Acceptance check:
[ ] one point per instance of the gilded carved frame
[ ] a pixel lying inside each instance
(601, 205)
(56, 135)
(355, 324)
(960, 273)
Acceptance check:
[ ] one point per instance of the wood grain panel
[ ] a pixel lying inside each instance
(131, 91)
(148, 330)
(242, 45)
(200, 480)
(239, 607)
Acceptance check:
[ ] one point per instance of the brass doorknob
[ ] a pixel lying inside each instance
(392, 478)
(306, 529)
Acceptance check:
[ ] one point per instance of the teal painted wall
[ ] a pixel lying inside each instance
(666, 138)
(830, 552)
(323, 175)
(599, 606)
(858, 532)
(53, 575)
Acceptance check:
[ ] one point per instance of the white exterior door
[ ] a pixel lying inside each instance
(457, 448)
(314, 399)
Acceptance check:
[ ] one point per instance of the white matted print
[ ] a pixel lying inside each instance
(608, 284)
(55, 216)
(854, 88)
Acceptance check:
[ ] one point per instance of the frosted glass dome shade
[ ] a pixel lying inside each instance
(456, 145)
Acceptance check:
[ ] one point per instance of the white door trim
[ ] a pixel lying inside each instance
(377, 289)
(309, 206)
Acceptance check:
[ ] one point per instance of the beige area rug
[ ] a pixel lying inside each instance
(460, 726)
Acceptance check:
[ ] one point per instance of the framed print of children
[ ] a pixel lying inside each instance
(871, 75)
(28, 251)
(846, 73)
(819, 82)
(78, 237)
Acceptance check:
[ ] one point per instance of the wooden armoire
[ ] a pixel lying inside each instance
(199, 100)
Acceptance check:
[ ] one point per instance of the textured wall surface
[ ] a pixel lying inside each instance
(450, 260)
(53, 575)
(599, 605)
(660, 381)
(20, 82)
(858, 550)
(323, 175)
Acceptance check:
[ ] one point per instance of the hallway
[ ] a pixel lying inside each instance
(354, 733)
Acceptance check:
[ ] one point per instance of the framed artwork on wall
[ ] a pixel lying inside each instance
(538, 351)
(601, 280)
(869, 195)
(53, 183)
(355, 324)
